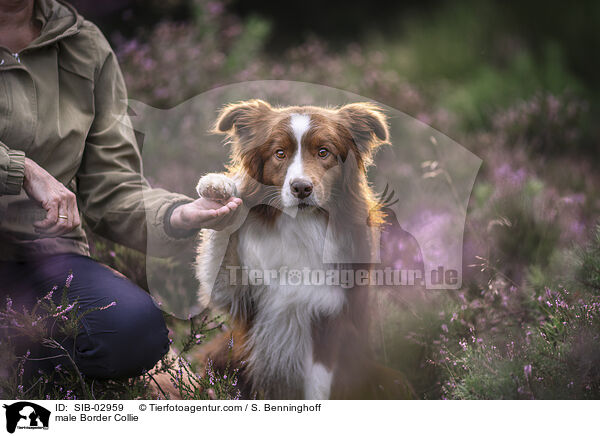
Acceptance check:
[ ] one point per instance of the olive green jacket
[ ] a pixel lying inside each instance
(61, 100)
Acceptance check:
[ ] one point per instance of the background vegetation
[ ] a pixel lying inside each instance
(515, 84)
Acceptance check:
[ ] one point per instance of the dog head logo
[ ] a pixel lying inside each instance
(26, 415)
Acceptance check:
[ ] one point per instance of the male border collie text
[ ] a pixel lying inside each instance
(301, 172)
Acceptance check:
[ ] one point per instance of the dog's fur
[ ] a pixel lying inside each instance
(296, 341)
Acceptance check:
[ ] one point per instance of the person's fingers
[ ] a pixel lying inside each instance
(67, 224)
(196, 215)
(233, 205)
(67, 216)
(222, 211)
(61, 225)
(77, 218)
(235, 200)
(218, 208)
(225, 220)
(205, 212)
(51, 216)
(211, 218)
(73, 212)
(205, 203)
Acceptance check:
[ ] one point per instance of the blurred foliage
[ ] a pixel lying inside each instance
(37, 357)
(588, 273)
(554, 357)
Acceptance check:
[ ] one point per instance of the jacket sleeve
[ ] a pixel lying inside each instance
(12, 170)
(114, 197)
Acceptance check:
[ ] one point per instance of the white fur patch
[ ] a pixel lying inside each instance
(300, 123)
(317, 385)
(280, 338)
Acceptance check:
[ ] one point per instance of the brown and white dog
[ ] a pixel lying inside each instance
(301, 172)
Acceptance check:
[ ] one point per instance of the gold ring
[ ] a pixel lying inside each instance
(63, 217)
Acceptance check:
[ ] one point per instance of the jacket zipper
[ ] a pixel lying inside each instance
(17, 57)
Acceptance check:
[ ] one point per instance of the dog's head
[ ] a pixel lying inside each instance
(303, 157)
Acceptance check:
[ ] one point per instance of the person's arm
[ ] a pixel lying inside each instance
(18, 172)
(114, 197)
(12, 170)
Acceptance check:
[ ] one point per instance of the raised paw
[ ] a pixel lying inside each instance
(216, 187)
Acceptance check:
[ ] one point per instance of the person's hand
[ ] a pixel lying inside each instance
(62, 214)
(205, 213)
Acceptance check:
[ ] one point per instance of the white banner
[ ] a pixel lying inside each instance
(299, 417)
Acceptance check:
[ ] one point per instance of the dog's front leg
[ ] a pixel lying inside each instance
(318, 381)
(217, 264)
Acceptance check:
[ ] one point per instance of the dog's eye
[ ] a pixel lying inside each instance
(323, 152)
(280, 154)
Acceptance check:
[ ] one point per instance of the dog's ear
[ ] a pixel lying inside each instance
(367, 125)
(238, 118)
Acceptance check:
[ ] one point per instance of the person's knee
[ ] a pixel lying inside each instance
(134, 339)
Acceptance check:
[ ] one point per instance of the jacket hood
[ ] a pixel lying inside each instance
(58, 19)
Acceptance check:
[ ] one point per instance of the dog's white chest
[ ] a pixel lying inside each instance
(285, 258)
(286, 307)
(291, 242)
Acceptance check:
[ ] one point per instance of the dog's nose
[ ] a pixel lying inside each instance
(301, 188)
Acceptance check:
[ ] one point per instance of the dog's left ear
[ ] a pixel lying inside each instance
(367, 125)
(239, 118)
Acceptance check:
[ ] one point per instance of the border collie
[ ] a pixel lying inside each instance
(301, 172)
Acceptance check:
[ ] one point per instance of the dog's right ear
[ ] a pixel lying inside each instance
(237, 119)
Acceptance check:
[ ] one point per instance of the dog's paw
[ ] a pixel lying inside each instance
(215, 186)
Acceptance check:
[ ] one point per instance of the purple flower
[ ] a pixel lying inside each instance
(215, 8)
(114, 303)
(49, 294)
(527, 371)
(64, 311)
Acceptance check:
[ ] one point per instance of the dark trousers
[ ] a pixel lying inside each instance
(123, 340)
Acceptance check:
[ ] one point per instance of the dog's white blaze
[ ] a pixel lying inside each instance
(317, 385)
(300, 123)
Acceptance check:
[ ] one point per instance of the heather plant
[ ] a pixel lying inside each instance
(210, 384)
(545, 123)
(53, 322)
(193, 380)
(523, 342)
(588, 273)
(552, 358)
